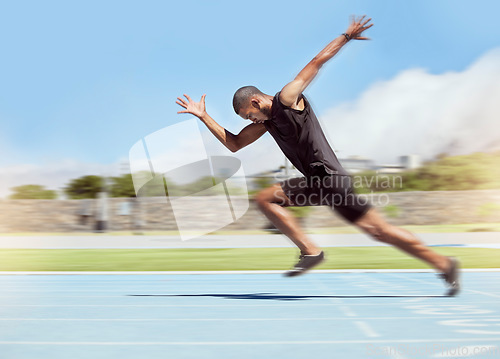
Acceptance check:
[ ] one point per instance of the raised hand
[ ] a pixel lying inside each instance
(357, 27)
(194, 108)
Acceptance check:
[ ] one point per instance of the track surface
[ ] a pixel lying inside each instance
(319, 315)
(475, 239)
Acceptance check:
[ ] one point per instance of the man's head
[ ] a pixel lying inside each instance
(251, 104)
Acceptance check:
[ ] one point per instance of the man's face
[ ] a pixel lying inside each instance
(254, 113)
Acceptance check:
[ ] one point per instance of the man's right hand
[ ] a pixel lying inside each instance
(233, 142)
(194, 108)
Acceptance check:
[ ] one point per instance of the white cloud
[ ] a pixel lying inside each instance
(421, 113)
(415, 112)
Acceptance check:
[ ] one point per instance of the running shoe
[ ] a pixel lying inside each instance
(305, 263)
(452, 277)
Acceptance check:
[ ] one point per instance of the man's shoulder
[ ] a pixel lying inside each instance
(302, 103)
(276, 105)
(277, 99)
(280, 101)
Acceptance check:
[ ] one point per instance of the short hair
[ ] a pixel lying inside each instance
(242, 95)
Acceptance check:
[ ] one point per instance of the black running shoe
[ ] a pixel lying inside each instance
(305, 263)
(452, 277)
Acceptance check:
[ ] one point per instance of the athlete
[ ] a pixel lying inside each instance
(290, 120)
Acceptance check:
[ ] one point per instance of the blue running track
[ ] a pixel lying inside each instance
(243, 316)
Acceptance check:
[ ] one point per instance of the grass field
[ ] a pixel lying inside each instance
(225, 259)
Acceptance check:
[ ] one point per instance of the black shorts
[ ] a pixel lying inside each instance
(324, 189)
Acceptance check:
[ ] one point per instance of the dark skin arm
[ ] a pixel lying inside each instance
(247, 135)
(291, 94)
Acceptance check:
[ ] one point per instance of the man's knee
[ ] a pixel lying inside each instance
(271, 195)
(262, 198)
(375, 226)
(381, 232)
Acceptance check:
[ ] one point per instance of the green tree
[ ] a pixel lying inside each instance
(32, 191)
(202, 184)
(447, 173)
(158, 186)
(122, 186)
(84, 187)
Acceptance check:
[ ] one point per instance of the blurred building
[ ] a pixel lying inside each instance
(353, 165)
(356, 164)
(408, 162)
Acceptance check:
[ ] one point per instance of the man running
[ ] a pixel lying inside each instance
(289, 118)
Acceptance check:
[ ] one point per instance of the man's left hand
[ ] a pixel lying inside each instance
(357, 27)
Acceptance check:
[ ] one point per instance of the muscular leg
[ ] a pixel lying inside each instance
(270, 202)
(373, 224)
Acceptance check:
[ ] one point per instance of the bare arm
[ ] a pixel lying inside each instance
(250, 134)
(290, 94)
(233, 142)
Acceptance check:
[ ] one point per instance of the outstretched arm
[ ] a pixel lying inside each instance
(233, 142)
(290, 94)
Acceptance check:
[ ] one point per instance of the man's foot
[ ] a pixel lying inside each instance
(305, 263)
(452, 277)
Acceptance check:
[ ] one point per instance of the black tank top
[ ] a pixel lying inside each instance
(300, 137)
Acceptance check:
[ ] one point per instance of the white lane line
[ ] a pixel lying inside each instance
(169, 319)
(454, 315)
(366, 329)
(269, 296)
(38, 296)
(117, 286)
(14, 273)
(151, 305)
(199, 289)
(295, 342)
(289, 304)
(365, 325)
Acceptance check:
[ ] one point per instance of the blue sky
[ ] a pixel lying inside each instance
(83, 81)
